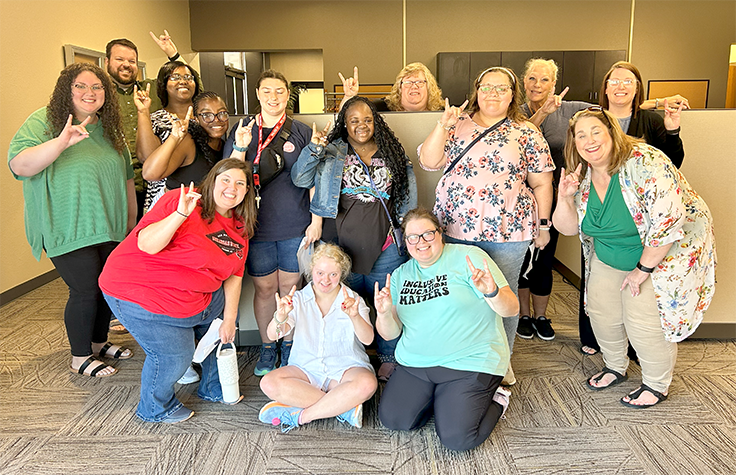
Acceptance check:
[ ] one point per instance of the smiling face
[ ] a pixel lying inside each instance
(593, 141)
(425, 253)
(325, 275)
(414, 92)
(229, 190)
(122, 65)
(181, 89)
(538, 83)
(273, 95)
(494, 105)
(85, 100)
(621, 95)
(359, 122)
(217, 128)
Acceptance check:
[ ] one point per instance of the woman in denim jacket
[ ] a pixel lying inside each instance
(356, 169)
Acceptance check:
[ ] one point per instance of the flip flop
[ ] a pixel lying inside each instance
(620, 378)
(94, 372)
(588, 350)
(635, 395)
(118, 355)
(116, 327)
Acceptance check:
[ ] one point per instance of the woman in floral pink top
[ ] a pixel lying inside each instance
(649, 250)
(498, 195)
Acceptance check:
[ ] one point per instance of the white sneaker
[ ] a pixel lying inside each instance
(509, 379)
(189, 377)
(502, 397)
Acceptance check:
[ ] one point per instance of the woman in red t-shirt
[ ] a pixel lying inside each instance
(179, 269)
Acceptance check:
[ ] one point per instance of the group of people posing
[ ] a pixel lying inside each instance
(152, 212)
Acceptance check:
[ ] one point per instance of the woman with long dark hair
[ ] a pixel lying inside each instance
(361, 174)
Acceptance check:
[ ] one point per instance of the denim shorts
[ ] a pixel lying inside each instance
(266, 257)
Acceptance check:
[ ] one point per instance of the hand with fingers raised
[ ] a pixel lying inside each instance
(569, 183)
(179, 128)
(482, 278)
(165, 43)
(284, 305)
(320, 137)
(451, 115)
(382, 300)
(553, 101)
(672, 115)
(350, 86)
(350, 304)
(142, 99)
(244, 134)
(187, 200)
(73, 134)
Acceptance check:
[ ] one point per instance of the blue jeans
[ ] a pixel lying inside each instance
(386, 263)
(508, 256)
(169, 346)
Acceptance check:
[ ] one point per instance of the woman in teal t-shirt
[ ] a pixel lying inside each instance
(447, 304)
(79, 200)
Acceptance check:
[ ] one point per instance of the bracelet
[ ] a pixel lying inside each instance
(674, 131)
(279, 322)
(446, 127)
(544, 228)
(175, 57)
(647, 270)
(656, 103)
(492, 294)
(185, 215)
(239, 149)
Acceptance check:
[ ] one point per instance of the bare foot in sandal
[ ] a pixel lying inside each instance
(108, 350)
(91, 366)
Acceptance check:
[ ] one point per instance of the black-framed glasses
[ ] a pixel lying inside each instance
(179, 77)
(208, 117)
(428, 236)
(84, 87)
(419, 83)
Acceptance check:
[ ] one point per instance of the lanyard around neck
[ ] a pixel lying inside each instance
(274, 132)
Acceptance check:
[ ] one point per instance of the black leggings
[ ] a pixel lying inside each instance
(462, 402)
(86, 316)
(539, 278)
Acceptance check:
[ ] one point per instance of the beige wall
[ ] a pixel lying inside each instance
(31, 37)
(299, 66)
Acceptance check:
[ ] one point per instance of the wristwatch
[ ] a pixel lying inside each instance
(544, 222)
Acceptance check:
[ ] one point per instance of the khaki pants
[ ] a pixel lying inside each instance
(615, 314)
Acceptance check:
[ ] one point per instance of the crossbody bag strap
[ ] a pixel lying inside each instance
(373, 185)
(477, 139)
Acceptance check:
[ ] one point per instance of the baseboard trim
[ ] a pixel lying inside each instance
(569, 275)
(248, 338)
(715, 331)
(22, 289)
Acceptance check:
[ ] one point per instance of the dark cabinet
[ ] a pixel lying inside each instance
(582, 71)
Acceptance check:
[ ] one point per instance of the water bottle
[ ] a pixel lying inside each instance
(227, 367)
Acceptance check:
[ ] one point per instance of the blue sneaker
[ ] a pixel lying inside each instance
(180, 415)
(267, 361)
(353, 416)
(285, 352)
(277, 414)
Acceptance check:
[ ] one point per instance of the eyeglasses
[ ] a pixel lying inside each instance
(179, 77)
(625, 82)
(428, 236)
(84, 87)
(208, 117)
(601, 110)
(418, 83)
(499, 88)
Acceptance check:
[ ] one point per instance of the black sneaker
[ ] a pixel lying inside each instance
(526, 327)
(543, 325)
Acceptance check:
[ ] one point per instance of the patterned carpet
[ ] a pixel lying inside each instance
(54, 422)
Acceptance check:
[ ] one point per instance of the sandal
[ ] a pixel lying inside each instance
(635, 395)
(620, 378)
(116, 327)
(588, 350)
(93, 372)
(118, 354)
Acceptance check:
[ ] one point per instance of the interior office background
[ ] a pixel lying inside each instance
(671, 40)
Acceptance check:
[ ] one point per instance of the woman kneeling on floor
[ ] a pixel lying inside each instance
(328, 373)
(643, 227)
(449, 300)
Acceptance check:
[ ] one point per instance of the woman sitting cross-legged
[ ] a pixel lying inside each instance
(328, 373)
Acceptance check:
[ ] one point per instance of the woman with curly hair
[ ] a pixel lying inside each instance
(496, 189)
(361, 175)
(79, 200)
